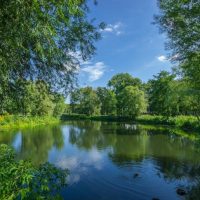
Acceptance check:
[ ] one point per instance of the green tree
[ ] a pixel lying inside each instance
(118, 82)
(42, 103)
(160, 93)
(7, 104)
(107, 100)
(168, 95)
(132, 101)
(59, 102)
(36, 98)
(40, 39)
(85, 101)
(180, 20)
(74, 101)
(68, 109)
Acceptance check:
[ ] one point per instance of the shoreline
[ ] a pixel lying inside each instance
(187, 123)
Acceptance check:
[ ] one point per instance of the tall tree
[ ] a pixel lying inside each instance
(40, 39)
(60, 106)
(167, 96)
(181, 21)
(107, 100)
(85, 101)
(132, 101)
(118, 82)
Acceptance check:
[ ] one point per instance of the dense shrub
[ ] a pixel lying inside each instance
(22, 180)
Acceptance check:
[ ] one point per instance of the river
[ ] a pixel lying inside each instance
(109, 160)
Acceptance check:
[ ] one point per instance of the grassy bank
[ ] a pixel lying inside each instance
(182, 122)
(16, 121)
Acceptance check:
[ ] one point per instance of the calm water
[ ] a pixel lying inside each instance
(114, 160)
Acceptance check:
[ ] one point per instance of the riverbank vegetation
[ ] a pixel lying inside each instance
(165, 99)
(41, 44)
(181, 121)
(18, 122)
(174, 95)
(127, 96)
(33, 99)
(22, 180)
(37, 83)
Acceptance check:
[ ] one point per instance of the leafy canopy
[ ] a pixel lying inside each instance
(85, 101)
(119, 81)
(181, 21)
(132, 101)
(107, 100)
(40, 39)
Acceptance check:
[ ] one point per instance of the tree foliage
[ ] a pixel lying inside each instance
(40, 39)
(22, 180)
(85, 101)
(132, 101)
(159, 93)
(168, 95)
(115, 100)
(181, 21)
(119, 82)
(108, 101)
(32, 98)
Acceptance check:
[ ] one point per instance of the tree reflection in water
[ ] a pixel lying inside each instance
(129, 144)
(35, 143)
(174, 156)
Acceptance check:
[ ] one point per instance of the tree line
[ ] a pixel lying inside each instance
(125, 95)
(32, 99)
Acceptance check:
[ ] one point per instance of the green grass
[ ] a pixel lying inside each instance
(181, 121)
(16, 121)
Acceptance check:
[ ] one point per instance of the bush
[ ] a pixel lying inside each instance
(22, 180)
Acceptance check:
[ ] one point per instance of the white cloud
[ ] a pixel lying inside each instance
(94, 71)
(68, 163)
(162, 58)
(114, 28)
(80, 164)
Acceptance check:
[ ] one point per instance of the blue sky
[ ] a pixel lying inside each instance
(130, 43)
